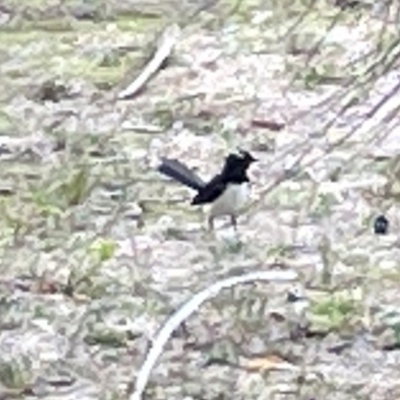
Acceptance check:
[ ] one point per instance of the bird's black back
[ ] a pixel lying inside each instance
(211, 191)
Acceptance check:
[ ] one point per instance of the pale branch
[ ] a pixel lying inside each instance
(188, 308)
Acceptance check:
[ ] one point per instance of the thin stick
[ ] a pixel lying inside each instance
(167, 42)
(188, 308)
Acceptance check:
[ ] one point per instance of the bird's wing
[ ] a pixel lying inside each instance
(210, 192)
(181, 173)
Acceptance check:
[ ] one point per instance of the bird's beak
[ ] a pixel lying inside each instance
(247, 155)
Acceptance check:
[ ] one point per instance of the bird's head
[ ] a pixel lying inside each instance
(246, 156)
(236, 165)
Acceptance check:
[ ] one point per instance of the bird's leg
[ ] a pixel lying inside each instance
(211, 223)
(234, 222)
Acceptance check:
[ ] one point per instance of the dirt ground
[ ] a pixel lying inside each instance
(97, 249)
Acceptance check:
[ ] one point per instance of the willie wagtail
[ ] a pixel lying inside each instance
(226, 192)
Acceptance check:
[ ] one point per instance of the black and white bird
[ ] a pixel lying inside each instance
(227, 192)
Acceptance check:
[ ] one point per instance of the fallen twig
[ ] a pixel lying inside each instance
(188, 308)
(165, 46)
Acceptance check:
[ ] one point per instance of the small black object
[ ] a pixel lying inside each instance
(293, 297)
(381, 225)
(224, 190)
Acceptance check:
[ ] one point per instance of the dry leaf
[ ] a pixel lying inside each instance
(266, 363)
(271, 125)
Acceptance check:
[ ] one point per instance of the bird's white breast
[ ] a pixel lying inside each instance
(231, 200)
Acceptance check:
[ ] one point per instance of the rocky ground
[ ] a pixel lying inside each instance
(97, 249)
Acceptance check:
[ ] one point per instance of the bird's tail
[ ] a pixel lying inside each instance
(181, 173)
